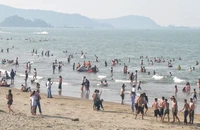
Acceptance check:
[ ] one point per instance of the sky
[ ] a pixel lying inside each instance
(163, 12)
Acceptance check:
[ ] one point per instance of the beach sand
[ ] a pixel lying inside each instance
(59, 113)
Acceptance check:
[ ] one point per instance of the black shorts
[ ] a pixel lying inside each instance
(60, 86)
(145, 106)
(161, 111)
(174, 113)
(136, 106)
(122, 95)
(140, 110)
(156, 113)
(9, 102)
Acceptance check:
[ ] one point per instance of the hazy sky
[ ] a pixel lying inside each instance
(163, 12)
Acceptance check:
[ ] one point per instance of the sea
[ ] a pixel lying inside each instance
(107, 45)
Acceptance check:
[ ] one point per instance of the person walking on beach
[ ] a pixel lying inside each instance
(122, 93)
(12, 75)
(174, 109)
(140, 106)
(133, 95)
(49, 84)
(38, 98)
(9, 97)
(191, 111)
(155, 106)
(33, 103)
(166, 110)
(185, 108)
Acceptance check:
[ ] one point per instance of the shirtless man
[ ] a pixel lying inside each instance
(166, 110)
(140, 103)
(191, 111)
(161, 106)
(155, 106)
(185, 108)
(174, 109)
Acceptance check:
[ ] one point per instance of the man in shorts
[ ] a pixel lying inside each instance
(140, 103)
(155, 106)
(166, 110)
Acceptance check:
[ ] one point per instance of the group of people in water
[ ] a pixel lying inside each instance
(138, 104)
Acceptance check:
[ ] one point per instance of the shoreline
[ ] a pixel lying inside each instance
(59, 112)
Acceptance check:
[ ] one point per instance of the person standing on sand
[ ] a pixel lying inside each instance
(162, 106)
(155, 106)
(185, 108)
(166, 110)
(140, 107)
(145, 99)
(10, 101)
(133, 95)
(38, 98)
(87, 86)
(12, 75)
(191, 111)
(49, 84)
(174, 109)
(122, 93)
(33, 103)
(60, 83)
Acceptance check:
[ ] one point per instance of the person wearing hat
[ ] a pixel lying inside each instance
(49, 84)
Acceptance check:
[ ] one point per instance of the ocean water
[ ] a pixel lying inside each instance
(107, 45)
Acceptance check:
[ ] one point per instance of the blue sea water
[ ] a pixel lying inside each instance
(107, 44)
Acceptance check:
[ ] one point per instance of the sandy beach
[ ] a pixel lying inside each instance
(59, 113)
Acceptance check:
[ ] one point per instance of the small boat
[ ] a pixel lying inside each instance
(8, 85)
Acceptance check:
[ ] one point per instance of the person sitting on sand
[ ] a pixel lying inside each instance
(98, 104)
(4, 82)
(23, 88)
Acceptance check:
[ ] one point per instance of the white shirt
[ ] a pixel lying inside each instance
(33, 100)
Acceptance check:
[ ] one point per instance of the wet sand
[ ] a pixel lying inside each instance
(60, 112)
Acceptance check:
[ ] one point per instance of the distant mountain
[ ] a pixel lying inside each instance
(16, 21)
(54, 18)
(57, 19)
(131, 21)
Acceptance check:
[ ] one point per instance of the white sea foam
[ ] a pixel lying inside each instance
(63, 83)
(30, 76)
(102, 76)
(157, 77)
(122, 81)
(41, 33)
(177, 80)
